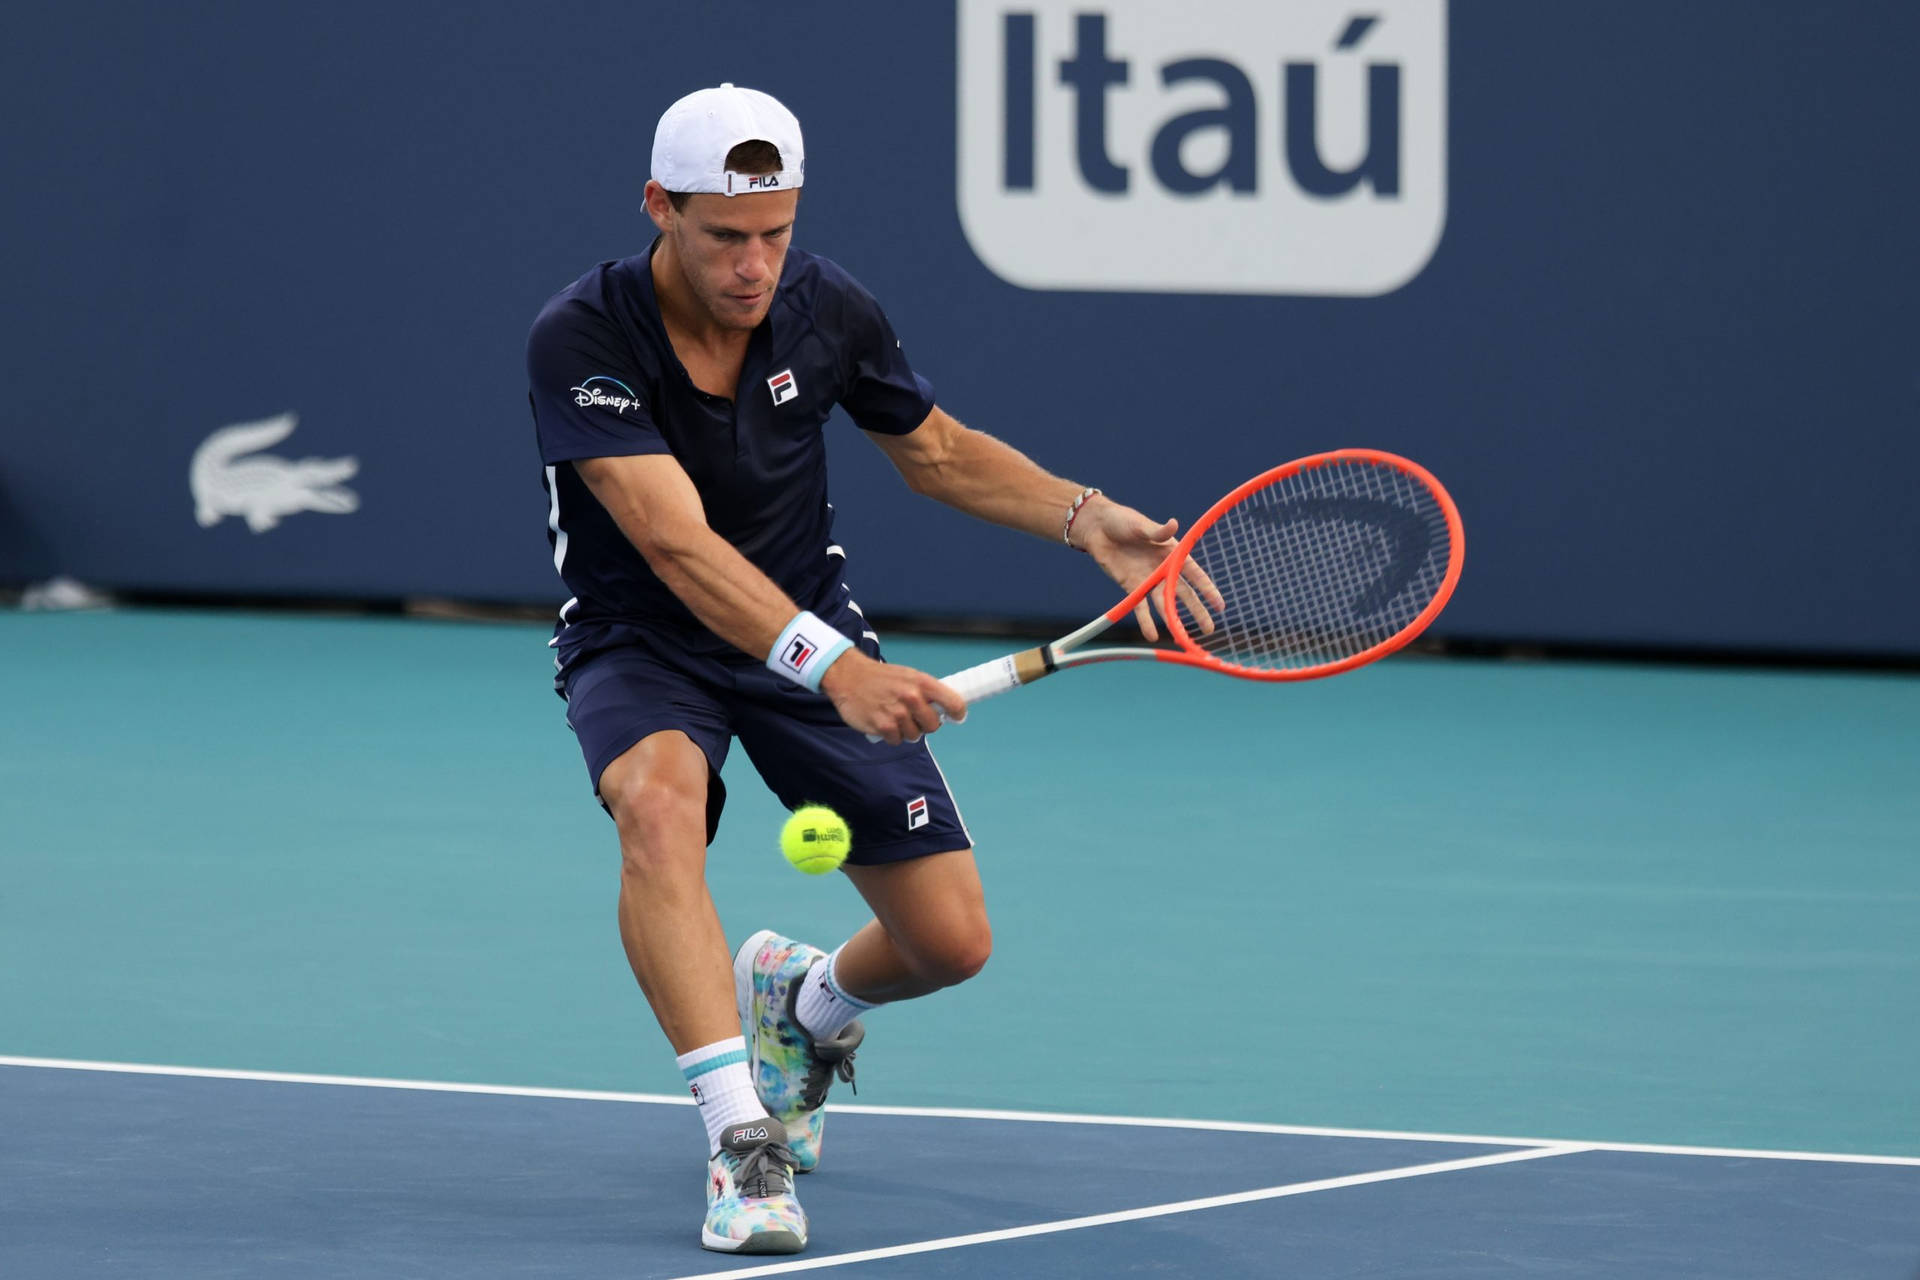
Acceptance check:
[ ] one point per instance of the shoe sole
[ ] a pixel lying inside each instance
(759, 1242)
(743, 1002)
(743, 1006)
(743, 994)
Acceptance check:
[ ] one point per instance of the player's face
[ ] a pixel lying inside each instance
(731, 250)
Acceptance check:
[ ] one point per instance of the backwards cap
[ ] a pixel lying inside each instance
(691, 143)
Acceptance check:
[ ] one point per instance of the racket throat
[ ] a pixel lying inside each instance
(1030, 664)
(1003, 675)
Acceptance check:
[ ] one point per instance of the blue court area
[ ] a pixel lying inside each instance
(1661, 917)
(111, 1173)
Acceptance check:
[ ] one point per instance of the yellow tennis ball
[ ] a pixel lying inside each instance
(815, 839)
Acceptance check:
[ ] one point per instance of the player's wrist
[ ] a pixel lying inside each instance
(805, 649)
(1076, 510)
(835, 675)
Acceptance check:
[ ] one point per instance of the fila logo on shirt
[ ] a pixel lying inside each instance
(916, 813)
(782, 386)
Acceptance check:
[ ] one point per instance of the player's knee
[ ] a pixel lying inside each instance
(958, 956)
(661, 821)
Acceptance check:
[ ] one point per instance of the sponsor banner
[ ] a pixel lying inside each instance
(1246, 147)
(230, 475)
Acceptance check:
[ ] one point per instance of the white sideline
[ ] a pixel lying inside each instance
(964, 1113)
(1135, 1215)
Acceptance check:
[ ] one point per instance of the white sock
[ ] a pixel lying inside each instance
(824, 1008)
(717, 1074)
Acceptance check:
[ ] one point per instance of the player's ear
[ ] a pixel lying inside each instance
(660, 206)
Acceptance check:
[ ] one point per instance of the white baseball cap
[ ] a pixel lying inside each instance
(691, 143)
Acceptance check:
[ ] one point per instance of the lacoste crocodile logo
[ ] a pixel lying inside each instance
(261, 488)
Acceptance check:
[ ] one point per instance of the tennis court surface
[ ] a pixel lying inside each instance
(1661, 917)
(117, 1172)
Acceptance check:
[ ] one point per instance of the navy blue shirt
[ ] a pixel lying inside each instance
(605, 382)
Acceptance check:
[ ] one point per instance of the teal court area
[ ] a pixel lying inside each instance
(1342, 943)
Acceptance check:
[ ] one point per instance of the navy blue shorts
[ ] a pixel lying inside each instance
(893, 797)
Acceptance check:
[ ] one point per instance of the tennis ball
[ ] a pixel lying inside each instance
(815, 839)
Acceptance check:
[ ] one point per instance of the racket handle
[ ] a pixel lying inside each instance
(995, 677)
(986, 680)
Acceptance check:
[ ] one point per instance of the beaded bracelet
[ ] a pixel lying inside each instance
(1066, 534)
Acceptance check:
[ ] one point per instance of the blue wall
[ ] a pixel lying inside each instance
(1664, 354)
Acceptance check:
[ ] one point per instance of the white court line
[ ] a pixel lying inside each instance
(358, 1082)
(1135, 1215)
(963, 1113)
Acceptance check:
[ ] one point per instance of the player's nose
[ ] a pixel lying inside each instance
(752, 264)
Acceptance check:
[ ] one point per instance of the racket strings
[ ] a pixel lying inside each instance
(1320, 566)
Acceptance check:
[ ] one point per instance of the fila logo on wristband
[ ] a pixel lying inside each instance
(805, 649)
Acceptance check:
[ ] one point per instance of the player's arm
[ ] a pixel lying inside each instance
(653, 500)
(989, 479)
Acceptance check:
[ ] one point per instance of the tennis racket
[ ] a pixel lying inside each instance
(1310, 569)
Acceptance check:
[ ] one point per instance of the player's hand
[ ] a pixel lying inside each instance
(886, 701)
(1129, 547)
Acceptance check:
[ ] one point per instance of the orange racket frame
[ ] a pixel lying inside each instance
(1024, 667)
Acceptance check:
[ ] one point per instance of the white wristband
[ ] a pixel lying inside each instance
(806, 649)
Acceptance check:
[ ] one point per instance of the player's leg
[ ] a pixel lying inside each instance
(664, 794)
(657, 794)
(930, 926)
(802, 1006)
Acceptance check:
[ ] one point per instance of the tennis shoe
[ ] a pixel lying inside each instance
(750, 1202)
(791, 1070)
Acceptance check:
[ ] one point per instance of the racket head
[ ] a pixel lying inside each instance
(1324, 564)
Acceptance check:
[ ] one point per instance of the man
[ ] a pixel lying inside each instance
(678, 398)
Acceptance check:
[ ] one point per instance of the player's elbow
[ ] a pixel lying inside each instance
(666, 545)
(930, 458)
(674, 564)
(928, 480)
(932, 473)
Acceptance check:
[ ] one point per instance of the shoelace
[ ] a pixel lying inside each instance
(764, 1171)
(820, 1075)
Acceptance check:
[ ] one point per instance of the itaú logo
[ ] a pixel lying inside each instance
(1238, 146)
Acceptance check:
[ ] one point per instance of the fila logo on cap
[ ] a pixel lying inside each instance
(783, 386)
(916, 813)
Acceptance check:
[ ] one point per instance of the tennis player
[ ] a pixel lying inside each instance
(678, 397)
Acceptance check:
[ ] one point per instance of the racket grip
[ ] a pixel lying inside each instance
(983, 681)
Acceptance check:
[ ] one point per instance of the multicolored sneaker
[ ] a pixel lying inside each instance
(750, 1203)
(791, 1070)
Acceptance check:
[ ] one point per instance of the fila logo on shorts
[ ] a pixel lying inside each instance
(782, 386)
(916, 813)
